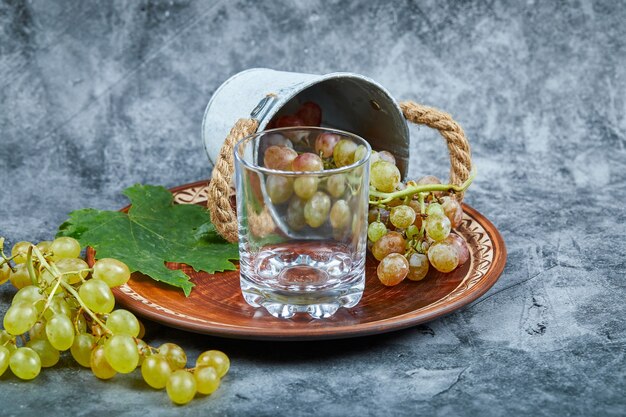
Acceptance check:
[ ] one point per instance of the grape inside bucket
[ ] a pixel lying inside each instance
(302, 198)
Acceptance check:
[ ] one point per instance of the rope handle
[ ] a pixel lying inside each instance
(225, 218)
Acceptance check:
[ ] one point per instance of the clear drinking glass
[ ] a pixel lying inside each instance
(302, 234)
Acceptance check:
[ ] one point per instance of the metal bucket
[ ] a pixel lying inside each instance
(349, 102)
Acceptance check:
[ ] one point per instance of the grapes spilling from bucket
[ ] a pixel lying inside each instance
(410, 233)
(410, 224)
(63, 305)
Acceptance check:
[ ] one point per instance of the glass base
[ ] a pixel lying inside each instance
(318, 304)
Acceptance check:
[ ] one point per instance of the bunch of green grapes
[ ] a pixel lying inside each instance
(63, 305)
(411, 224)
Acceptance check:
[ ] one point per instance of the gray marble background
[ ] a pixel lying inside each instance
(97, 96)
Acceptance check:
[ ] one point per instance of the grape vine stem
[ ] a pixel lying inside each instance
(30, 267)
(384, 198)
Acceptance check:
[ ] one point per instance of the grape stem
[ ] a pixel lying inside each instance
(5, 259)
(384, 198)
(29, 265)
(422, 212)
(79, 273)
(9, 341)
(80, 311)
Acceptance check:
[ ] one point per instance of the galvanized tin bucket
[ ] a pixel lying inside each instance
(349, 102)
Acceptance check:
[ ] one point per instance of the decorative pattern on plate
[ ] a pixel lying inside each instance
(192, 195)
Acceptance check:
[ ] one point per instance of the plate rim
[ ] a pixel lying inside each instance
(389, 324)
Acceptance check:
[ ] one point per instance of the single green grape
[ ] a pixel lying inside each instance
(279, 188)
(175, 355)
(19, 251)
(340, 214)
(66, 265)
(181, 387)
(391, 242)
(5, 273)
(437, 227)
(113, 272)
(99, 365)
(336, 185)
(376, 230)
(443, 257)
(20, 277)
(343, 154)
(316, 209)
(207, 380)
(64, 247)
(25, 363)
(156, 371)
(121, 353)
(97, 296)
(19, 318)
(418, 267)
(215, 359)
(434, 210)
(29, 294)
(123, 322)
(384, 176)
(5, 356)
(48, 355)
(44, 246)
(392, 269)
(37, 332)
(305, 186)
(81, 349)
(295, 214)
(402, 216)
(60, 332)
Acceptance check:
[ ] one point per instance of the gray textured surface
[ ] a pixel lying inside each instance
(96, 96)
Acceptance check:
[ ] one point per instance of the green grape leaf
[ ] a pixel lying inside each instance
(154, 231)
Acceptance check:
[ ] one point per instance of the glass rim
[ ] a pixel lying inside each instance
(270, 171)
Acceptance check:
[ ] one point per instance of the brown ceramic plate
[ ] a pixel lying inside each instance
(216, 307)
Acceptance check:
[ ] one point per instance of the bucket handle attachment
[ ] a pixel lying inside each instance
(225, 218)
